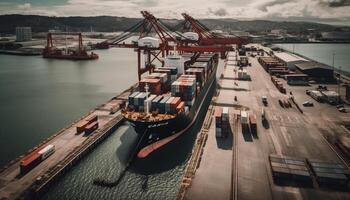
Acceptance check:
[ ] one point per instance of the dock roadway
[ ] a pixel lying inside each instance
(67, 143)
(243, 171)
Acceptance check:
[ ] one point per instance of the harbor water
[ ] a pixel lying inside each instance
(39, 97)
(323, 53)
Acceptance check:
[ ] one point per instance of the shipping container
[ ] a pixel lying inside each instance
(180, 107)
(330, 173)
(253, 124)
(148, 103)
(47, 151)
(30, 161)
(156, 102)
(154, 85)
(162, 104)
(91, 128)
(288, 169)
(81, 126)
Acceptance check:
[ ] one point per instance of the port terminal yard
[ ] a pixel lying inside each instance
(240, 167)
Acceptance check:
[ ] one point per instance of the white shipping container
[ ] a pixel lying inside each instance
(244, 117)
(175, 61)
(148, 102)
(47, 151)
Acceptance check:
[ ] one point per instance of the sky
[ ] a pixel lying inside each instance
(322, 11)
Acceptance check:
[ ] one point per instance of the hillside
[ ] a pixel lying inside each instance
(109, 23)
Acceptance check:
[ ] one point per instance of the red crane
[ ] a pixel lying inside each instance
(206, 37)
(151, 26)
(79, 54)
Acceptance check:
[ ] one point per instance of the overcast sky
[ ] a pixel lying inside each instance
(323, 11)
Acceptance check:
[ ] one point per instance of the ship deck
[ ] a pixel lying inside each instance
(238, 167)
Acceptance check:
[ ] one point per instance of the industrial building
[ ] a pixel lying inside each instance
(289, 59)
(316, 71)
(297, 79)
(23, 34)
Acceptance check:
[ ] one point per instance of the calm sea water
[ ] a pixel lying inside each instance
(38, 96)
(324, 53)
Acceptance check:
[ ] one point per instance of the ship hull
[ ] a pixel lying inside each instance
(157, 134)
(71, 57)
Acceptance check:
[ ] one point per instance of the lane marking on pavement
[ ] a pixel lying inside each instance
(276, 143)
(286, 136)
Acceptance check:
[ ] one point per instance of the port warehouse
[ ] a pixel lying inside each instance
(301, 69)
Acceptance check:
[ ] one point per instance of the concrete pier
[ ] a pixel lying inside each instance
(69, 148)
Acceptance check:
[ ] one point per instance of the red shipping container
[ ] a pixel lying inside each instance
(91, 127)
(30, 161)
(81, 126)
(154, 86)
(175, 103)
(92, 118)
(181, 106)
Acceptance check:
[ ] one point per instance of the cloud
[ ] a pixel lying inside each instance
(237, 9)
(219, 12)
(268, 4)
(25, 6)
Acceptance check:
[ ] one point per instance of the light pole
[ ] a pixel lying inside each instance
(339, 80)
(333, 65)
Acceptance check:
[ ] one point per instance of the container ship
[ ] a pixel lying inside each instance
(170, 98)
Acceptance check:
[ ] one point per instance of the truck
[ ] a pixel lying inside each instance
(252, 124)
(264, 100)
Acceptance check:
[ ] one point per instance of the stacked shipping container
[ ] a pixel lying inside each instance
(330, 173)
(85, 125)
(289, 169)
(222, 122)
(279, 85)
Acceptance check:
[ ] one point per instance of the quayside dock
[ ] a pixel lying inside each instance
(239, 167)
(69, 148)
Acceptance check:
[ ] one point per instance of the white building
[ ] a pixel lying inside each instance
(289, 59)
(278, 31)
(23, 34)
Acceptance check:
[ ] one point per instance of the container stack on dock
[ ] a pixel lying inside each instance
(218, 122)
(243, 74)
(35, 158)
(87, 125)
(330, 173)
(245, 121)
(279, 85)
(252, 124)
(222, 122)
(269, 62)
(286, 169)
